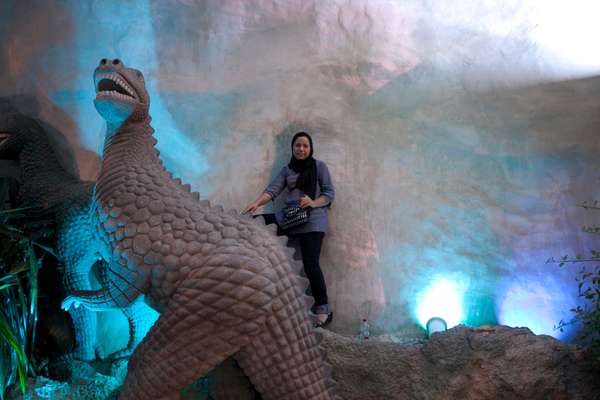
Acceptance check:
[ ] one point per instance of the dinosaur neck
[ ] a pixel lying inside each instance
(130, 144)
(39, 159)
(34, 164)
(128, 131)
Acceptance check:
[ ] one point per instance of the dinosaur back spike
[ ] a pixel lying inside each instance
(290, 251)
(247, 217)
(309, 301)
(322, 350)
(319, 337)
(273, 229)
(297, 266)
(187, 187)
(330, 382)
(304, 283)
(290, 244)
(196, 195)
(329, 371)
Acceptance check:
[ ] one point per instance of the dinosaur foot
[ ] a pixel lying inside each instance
(125, 353)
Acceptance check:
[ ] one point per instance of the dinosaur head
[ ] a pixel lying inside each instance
(120, 93)
(15, 131)
(36, 144)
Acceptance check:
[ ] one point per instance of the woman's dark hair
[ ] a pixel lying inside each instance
(306, 135)
(307, 168)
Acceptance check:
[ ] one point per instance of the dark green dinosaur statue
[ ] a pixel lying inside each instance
(49, 191)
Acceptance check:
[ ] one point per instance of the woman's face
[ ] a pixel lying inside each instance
(301, 148)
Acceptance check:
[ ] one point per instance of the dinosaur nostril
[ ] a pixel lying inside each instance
(103, 61)
(116, 61)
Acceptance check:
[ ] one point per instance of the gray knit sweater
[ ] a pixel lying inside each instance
(287, 178)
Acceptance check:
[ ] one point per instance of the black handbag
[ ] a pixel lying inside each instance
(294, 216)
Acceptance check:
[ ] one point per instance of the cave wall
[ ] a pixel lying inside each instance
(459, 140)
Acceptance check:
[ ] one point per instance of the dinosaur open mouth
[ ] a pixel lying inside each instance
(112, 85)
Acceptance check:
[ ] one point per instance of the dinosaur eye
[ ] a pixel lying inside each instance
(139, 74)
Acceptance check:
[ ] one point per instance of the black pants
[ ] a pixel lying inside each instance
(310, 248)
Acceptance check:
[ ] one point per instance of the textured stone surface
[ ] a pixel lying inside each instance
(457, 137)
(490, 363)
(85, 384)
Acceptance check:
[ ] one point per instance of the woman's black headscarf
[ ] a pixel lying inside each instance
(307, 168)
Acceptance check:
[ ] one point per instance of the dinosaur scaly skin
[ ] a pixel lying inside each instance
(49, 191)
(224, 283)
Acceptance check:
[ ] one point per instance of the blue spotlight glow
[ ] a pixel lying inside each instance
(125, 31)
(442, 299)
(537, 305)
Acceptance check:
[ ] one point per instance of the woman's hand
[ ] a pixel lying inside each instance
(261, 201)
(251, 208)
(306, 201)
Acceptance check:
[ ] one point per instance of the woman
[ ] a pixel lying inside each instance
(309, 186)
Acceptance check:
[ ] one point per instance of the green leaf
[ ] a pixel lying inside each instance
(15, 210)
(6, 285)
(7, 335)
(46, 249)
(33, 295)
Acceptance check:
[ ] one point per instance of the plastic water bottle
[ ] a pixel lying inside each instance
(363, 333)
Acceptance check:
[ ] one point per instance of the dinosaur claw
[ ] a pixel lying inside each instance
(99, 351)
(70, 302)
(65, 305)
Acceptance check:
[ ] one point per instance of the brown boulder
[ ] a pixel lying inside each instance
(491, 363)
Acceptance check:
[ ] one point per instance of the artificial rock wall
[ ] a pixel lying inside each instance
(459, 140)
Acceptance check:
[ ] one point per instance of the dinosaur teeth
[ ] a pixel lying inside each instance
(118, 80)
(113, 94)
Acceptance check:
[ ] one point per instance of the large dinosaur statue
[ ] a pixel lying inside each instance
(48, 190)
(225, 285)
